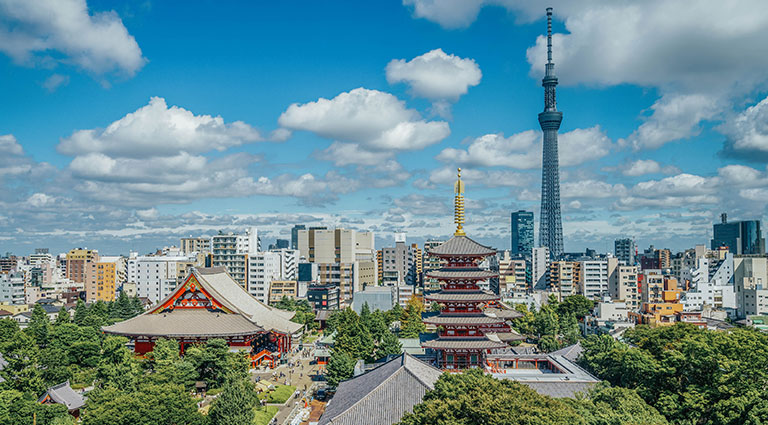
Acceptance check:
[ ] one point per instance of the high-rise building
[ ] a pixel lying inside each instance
(625, 250)
(514, 278)
(431, 263)
(280, 244)
(563, 278)
(550, 225)
(522, 234)
(295, 235)
(81, 268)
(418, 261)
(111, 274)
(595, 276)
(200, 245)
(623, 286)
(398, 264)
(540, 267)
(741, 237)
(231, 251)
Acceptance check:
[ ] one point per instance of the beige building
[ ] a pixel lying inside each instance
(200, 245)
(513, 283)
(623, 286)
(564, 278)
(282, 288)
(81, 268)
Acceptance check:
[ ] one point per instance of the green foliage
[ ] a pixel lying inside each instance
(150, 404)
(22, 372)
(16, 408)
(475, 398)
(117, 367)
(63, 317)
(355, 339)
(576, 305)
(236, 404)
(554, 325)
(389, 345)
(340, 367)
(411, 324)
(304, 313)
(39, 327)
(395, 314)
(690, 375)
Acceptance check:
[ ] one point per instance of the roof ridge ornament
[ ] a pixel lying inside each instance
(458, 213)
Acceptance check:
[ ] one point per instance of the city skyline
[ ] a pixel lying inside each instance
(157, 124)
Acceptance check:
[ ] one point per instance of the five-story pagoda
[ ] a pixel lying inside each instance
(462, 326)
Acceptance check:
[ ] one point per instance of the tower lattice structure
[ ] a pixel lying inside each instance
(551, 224)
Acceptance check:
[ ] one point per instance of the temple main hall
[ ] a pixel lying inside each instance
(210, 304)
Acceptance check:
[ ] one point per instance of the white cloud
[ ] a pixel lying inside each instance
(9, 145)
(647, 166)
(159, 130)
(55, 81)
(586, 189)
(375, 122)
(448, 13)
(446, 176)
(747, 132)
(37, 31)
(674, 117)
(523, 150)
(435, 75)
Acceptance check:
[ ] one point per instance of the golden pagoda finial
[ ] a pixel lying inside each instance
(458, 213)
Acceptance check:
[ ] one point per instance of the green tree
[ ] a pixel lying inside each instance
(63, 317)
(576, 305)
(81, 312)
(236, 403)
(39, 327)
(116, 366)
(411, 324)
(210, 361)
(354, 339)
(8, 330)
(341, 366)
(389, 345)
(17, 408)
(378, 326)
(22, 372)
(605, 405)
(524, 324)
(395, 314)
(150, 404)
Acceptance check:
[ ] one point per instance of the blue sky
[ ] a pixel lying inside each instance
(125, 125)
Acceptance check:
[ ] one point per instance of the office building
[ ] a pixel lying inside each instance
(323, 297)
(741, 237)
(430, 263)
(623, 286)
(398, 263)
(522, 234)
(295, 235)
(595, 276)
(625, 250)
(563, 278)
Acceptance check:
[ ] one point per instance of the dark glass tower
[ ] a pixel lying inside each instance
(550, 225)
(741, 237)
(522, 233)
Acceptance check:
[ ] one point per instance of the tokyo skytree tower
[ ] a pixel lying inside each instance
(550, 225)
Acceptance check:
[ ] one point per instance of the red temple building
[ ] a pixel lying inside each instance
(210, 304)
(463, 328)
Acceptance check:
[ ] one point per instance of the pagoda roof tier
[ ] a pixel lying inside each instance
(462, 296)
(462, 274)
(463, 344)
(185, 323)
(462, 320)
(462, 246)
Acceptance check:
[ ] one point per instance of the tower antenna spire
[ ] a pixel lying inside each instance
(549, 35)
(458, 206)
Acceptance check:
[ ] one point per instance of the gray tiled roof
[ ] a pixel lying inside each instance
(458, 344)
(383, 395)
(560, 389)
(462, 320)
(462, 245)
(459, 273)
(502, 313)
(64, 394)
(571, 352)
(462, 296)
(182, 323)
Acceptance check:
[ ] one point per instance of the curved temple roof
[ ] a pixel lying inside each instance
(248, 315)
(462, 246)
